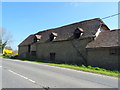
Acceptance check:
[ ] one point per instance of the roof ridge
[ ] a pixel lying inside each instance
(69, 25)
(114, 30)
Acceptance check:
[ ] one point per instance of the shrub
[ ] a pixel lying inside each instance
(97, 68)
(10, 53)
(83, 66)
(7, 52)
(89, 67)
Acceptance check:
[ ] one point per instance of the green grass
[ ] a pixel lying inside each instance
(5, 56)
(1, 55)
(75, 67)
(84, 68)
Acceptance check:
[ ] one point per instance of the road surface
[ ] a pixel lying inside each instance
(21, 74)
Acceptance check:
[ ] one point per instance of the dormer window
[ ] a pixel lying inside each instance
(53, 36)
(102, 28)
(37, 38)
(78, 32)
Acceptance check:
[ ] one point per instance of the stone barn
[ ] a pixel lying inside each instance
(71, 44)
(104, 51)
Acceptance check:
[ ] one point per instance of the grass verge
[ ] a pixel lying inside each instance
(76, 67)
(84, 68)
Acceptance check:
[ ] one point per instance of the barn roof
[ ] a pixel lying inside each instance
(66, 32)
(106, 39)
(28, 40)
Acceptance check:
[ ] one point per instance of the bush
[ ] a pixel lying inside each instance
(14, 57)
(7, 53)
(97, 68)
(83, 66)
(10, 53)
(90, 67)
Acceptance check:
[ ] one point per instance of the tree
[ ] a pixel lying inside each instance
(0, 46)
(1, 41)
(3, 45)
(5, 38)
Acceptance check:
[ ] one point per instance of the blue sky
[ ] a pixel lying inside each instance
(24, 18)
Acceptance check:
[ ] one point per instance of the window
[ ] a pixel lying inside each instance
(37, 38)
(78, 32)
(115, 51)
(52, 56)
(33, 53)
(53, 36)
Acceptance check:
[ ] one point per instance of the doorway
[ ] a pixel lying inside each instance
(52, 56)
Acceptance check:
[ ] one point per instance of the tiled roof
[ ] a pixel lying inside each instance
(106, 39)
(89, 27)
(66, 32)
(28, 40)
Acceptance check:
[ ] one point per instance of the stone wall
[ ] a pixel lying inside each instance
(33, 47)
(64, 51)
(23, 51)
(102, 57)
(68, 52)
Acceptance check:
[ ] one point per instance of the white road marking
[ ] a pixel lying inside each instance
(32, 81)
(22, 76)
(27, 79)
(0, 66)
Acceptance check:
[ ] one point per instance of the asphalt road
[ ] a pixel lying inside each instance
(21, 74)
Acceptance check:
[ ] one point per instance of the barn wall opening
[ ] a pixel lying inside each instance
(52, 56)
(29, 48)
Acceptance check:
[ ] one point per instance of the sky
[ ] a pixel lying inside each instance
(24, 18)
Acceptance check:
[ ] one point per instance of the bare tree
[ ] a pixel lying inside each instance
(0, 41)
(5, 38)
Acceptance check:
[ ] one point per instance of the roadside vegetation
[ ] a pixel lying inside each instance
(10, 53)
(84, 68)
(75, 67)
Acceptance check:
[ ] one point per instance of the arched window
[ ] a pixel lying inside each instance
(78, 32)
(53, 35)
